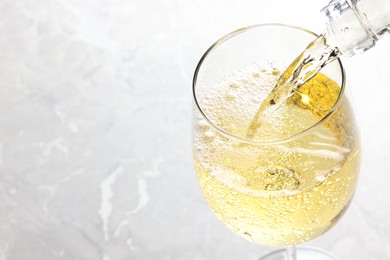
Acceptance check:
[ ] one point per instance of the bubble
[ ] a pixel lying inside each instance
(282, 179)
(275, 72)
(230, 96)
(320, 178)
(233, 86)
(203, 125)
(260, 170)
(209, 134)
(247, 234)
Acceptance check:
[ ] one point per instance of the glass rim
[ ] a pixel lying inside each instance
(257, 141)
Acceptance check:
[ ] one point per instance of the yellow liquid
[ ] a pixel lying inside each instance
(281, 194)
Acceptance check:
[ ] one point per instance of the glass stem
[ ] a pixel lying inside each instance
(291, 253)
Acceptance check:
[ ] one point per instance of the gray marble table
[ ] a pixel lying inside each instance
(95, 126)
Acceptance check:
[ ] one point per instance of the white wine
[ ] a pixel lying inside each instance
(276, 193)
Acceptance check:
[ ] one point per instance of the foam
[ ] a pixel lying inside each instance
(237, 97)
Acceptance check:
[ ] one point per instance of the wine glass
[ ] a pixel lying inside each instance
(295, 178)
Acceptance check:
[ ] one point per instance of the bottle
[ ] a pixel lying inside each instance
(353, 26)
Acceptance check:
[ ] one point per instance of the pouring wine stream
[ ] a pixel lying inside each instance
(316, 55)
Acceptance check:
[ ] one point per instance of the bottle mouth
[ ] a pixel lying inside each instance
(254, 141)
(348, 28)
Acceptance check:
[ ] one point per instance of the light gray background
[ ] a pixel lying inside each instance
(95, 129)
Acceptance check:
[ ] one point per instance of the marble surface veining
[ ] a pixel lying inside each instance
(95, 131)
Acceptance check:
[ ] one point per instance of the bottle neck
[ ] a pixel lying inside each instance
(353, 26)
